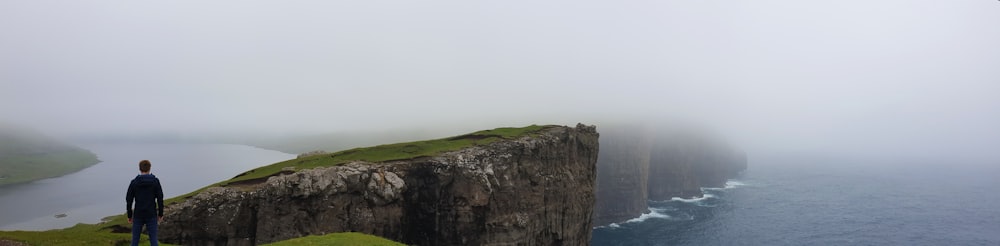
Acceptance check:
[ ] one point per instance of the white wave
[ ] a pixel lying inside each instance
(729, 185)
(612, 225)
(653, 213)
(690, 200)
(734, 183)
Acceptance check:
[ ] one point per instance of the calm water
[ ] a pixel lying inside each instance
(802, 202)
(99, 191)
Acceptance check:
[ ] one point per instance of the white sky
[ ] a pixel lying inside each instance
(891, 76)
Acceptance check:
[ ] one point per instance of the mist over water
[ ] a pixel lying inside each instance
(883, 79)
(798, 201)
(866, 122)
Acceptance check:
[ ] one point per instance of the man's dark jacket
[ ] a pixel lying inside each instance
(148, 195)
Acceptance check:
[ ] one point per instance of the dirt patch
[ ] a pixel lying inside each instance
(244, 173)
(119, 229)
(5, 242)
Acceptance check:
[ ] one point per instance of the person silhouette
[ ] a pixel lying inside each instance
(147, 193)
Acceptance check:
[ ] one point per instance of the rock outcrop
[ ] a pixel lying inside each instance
(533, 190)
(638, 164)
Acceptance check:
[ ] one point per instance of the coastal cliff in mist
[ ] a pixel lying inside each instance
(531, 188)
(622, 167)
(638, 164)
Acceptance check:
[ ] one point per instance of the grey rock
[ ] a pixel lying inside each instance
(536, 190)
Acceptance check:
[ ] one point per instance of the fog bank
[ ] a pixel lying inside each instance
(888, 78)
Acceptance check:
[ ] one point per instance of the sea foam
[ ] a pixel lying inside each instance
(729, 185)
(654, 213)
(612, 225)
(734, 183)
(693, 200)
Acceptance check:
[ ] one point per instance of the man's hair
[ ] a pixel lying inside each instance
(144, 166)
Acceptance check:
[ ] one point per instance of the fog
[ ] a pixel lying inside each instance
(891, 78)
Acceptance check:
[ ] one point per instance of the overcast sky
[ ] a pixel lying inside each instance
(852, 76)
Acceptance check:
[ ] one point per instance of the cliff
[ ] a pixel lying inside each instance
(533, 188)
(683, 162)
(638, 164)
(622, 167)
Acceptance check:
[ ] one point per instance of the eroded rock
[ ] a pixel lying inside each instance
(535, 190)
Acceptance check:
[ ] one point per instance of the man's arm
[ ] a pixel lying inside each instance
(129, 197)
(159, 199)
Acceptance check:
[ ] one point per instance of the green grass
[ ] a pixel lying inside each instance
(29, 167)
(81, 234)
(343, 238)
(101, 234)
(380, 153)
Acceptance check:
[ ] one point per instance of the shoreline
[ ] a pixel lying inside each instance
(22, 169)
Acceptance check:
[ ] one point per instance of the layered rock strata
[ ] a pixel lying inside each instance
(534, 190)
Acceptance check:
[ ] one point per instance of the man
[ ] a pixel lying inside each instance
(145, 190)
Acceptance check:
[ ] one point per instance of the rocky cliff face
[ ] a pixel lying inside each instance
(535, 190)
(683, 163)
(622, 167)
(639, 164)
(672, 173)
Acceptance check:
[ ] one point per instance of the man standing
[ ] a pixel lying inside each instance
(145, 190)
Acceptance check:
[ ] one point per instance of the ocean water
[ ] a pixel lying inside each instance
(802, 201)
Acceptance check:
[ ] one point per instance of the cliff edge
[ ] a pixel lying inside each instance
(531, 188)
(639, 164)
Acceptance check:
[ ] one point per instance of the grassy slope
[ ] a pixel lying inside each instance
(333, 142)
(343, 238)
(27, 155)
(26, 168)
(101, 234)
(81, 234)
(381, 153)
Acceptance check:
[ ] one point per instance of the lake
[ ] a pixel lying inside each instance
(99, 191)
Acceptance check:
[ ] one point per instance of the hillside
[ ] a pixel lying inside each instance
(573, 151)
(27, 155)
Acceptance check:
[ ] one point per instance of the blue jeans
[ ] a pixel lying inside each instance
(150, 224)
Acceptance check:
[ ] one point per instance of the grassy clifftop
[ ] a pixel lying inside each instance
(380, 153)
(115, 231)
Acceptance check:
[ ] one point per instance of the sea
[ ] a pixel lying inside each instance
(779, 200)
(828, 201)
